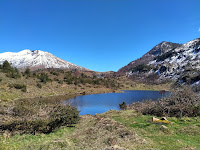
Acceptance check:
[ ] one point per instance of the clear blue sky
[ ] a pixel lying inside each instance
(101, 35)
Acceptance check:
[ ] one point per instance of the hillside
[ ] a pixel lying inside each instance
(51, 82)
(159, 49)
(36, 59)
(167, 61)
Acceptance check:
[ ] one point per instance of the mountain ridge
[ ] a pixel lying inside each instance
(161, 47)
(177, 62)
(36, 59)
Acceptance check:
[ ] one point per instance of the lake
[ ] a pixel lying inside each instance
(100, 103)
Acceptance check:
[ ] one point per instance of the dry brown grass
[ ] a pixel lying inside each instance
(104, 132)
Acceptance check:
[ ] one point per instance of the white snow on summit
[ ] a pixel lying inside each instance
(36, 59)
(186, 56)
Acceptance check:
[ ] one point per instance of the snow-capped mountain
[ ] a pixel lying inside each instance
(159, 49)
(36, 59)
(179, 62)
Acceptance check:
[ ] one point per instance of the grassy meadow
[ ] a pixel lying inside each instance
(125, 129)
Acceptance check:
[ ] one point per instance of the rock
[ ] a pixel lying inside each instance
(164, 129)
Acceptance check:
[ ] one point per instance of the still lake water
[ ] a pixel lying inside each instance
(100, 103)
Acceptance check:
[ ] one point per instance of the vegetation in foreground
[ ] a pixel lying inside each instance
(125, 129)
(36, 116)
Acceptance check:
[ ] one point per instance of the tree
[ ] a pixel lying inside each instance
(27, 72)
(10, 71)
(6, 66)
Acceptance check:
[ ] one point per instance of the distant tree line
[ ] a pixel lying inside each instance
(59, 75)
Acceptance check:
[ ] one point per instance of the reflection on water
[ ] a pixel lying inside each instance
(99, 103)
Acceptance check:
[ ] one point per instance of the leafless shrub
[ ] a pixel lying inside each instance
(182, 102)
(28, 116)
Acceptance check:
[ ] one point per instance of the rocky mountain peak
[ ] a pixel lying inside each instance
(159, 49)
(179, 62)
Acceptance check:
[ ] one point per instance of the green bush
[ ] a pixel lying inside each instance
(123, 106)
(43, 77)
(165, 56)
(24, 89)
(60, 82)
(141, 68)
(6, 66)
(39, 85)
(62, 115)
(27, 72)
(34, 74)
(18, 86)
(10, 71)
(13, 74)
(54, 73)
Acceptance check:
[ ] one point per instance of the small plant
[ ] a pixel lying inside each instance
(43, 77)
(27, 72)
(123, 106)
(6, 66)
(34, 74)
(141, 68)
(24, 89)
(60, 82)
(54, 73)
(39, 85)
(18, 86)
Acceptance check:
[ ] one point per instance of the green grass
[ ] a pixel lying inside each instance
(181, 134)
(99, 132)
(56, 140)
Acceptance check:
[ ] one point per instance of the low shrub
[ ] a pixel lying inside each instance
(39, 85)
(43, 77)
(27, 72)
(165, 56)
(19, 86)
(27, 116)
(123, 106)
(182, 102)
(141, 68)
